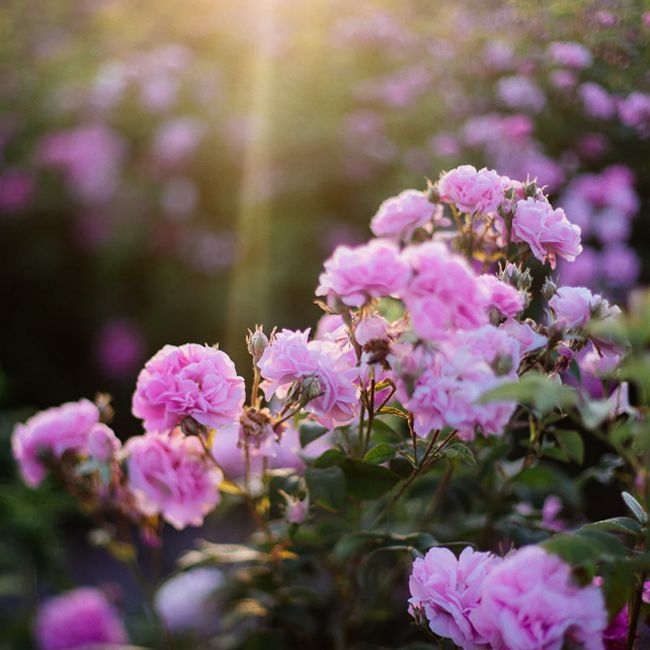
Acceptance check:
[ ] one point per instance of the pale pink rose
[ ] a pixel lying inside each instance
(55, 431)
(192, 380)
(501, 296)
(547, 231)
(355, 275)
(471, 190)
(531, 600)
(443, 294)
(103, 444)
(170, 475)
(291, 358)
(575, 307)
(82, 618)
(399, 216)
(524, 334)
(446, 590)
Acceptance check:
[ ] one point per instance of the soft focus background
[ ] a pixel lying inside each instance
(178, 171)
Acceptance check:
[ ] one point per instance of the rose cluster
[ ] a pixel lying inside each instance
(529, 599)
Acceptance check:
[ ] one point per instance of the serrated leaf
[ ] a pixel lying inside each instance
(379, 454)
(461, 452)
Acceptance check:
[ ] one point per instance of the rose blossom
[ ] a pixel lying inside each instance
(371, 328)
(524, 334)
(547, 231)
(78, 619)
(447, 589)
(103, 444)
(354, 275)
(530, 600)
(471, 190)
(291, 358)
(170, 475)
(575, 306)
(501, 296)
(399, 216)
(55, 431)
(444, 293)
(192, 380)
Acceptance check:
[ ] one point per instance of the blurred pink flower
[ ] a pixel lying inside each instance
(569, 54)
(120, 347)
(54, 431)
(16, 190)
(81, 618)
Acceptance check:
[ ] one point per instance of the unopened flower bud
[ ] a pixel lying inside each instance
(310, 389)
(296, 510)
(502, 364)
(257, 342)
(549, 288)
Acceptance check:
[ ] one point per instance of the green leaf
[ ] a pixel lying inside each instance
(367, 481)
(572, 445)
(533, 389)
(461, 452)
(624, 525)
(384, 432)
(310, 431)
(329, 458)
(618, 578)
(379, 454)
(635, 507)
(327, 486)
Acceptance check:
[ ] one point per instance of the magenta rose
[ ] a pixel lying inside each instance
(170, 475)
(192, 380)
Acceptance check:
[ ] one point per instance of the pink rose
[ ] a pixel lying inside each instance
(169, 475)
(443, 294)
(575, 307)
(371, 328)
(399, 216)
(355, 275)
(572, 55)
(472, 191)
(55, 431)
(501, 296)
(531, 600)
(446, 590)
(103, 444)
(547, 231)
(192, 380)
(78, 619)
(292, 359)
(524, 334)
